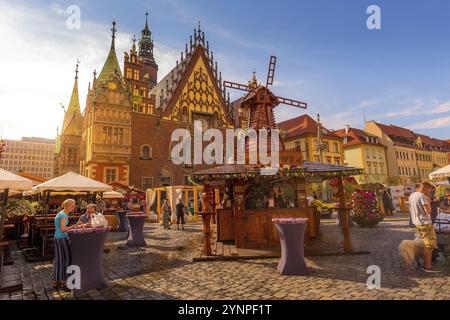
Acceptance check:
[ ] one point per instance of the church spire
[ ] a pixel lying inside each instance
(111, 67)
(73, 114)
(146, 44)
(74, 104)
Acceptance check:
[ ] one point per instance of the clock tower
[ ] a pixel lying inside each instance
(106, 139)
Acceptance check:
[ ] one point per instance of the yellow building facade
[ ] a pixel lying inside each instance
(362, 150)
(302, 132)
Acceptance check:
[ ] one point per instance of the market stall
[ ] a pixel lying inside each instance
(67, 185)
(256, 199)
(190, 194)
(9, 184)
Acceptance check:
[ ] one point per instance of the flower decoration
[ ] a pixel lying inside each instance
(365, 208)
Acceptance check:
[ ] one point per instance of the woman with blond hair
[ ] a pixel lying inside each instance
(62, 246)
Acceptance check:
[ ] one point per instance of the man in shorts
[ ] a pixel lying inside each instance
(420, 209)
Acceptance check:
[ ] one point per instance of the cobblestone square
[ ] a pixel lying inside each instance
(164, 270)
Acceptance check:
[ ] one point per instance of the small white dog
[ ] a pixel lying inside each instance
(410, 251)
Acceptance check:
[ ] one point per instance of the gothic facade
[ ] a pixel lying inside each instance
(124, 133)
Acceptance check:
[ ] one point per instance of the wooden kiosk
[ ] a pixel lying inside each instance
(250, 200)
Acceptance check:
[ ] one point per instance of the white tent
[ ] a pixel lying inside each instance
(113, 195)
(71, 182)
(10, 182)
(13, 182)
(441, 174)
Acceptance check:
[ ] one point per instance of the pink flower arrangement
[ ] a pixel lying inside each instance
(89, 230)
(365, 210)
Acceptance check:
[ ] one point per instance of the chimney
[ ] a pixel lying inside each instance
(347, 129)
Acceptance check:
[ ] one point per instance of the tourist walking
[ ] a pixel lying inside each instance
(181, 211)
(387, 203)
(167, 213)
(420, 209)
(62, 247)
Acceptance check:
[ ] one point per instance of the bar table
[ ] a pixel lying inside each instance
(292, 235)
(87, 246)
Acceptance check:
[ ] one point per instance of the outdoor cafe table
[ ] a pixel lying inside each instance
(87, 251)
(136, 233)
(292, 234)
(123, 221)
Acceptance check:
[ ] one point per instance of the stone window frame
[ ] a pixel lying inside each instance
(150, 152)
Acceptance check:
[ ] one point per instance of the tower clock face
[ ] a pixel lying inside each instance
(112, 86)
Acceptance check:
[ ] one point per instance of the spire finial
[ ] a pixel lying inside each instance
(114, 30)
(199, 25)
(134, 42)
(146, 19)
(76, 69)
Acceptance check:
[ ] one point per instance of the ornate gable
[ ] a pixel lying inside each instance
(198, 92)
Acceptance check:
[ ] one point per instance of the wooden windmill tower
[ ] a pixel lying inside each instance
(258, 106)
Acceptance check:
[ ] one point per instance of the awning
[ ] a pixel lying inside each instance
(441, 174)
(113, 195)
(72, 182)
(13, 182)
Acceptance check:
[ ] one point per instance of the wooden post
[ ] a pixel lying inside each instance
(195, 203)
(3, 213)
(206, 218)
(343, 212)
(158, 204)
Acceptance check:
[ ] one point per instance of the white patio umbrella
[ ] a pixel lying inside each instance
(441, 174)
(113, 195)
(72, 182)
(10, 183)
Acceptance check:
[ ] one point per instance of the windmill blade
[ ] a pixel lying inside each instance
(293, 103)
(237, 86)
(271, 73)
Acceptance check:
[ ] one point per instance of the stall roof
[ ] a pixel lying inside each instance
(113, 195)
(442, 173)
(307, 169)
(72, 182)
(15, 183)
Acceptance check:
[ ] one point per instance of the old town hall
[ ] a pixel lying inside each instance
(124, 133)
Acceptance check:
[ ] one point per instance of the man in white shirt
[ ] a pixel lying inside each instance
(420, 210)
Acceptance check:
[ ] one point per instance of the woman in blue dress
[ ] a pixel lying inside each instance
(62, 246)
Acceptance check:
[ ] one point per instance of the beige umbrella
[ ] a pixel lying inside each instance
(10, 182)
(113, 195)
(72, 182)
(441, 174)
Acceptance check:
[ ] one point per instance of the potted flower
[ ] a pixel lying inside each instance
(365, 210)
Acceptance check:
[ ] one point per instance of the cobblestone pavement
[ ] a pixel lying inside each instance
(164, 270)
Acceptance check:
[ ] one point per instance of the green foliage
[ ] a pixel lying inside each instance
(19, 208)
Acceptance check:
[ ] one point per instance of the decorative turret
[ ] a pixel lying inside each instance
(111, 68)
(146, 44)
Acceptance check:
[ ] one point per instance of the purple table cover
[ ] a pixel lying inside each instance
(123, 221)
(87, 251)
(136, 231)
(292, 233)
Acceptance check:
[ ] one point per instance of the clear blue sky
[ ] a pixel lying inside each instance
(326, 55)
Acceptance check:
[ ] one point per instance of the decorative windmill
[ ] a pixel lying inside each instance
(258, 106)
(259, 103)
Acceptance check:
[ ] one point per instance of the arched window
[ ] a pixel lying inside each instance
(146, 152)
